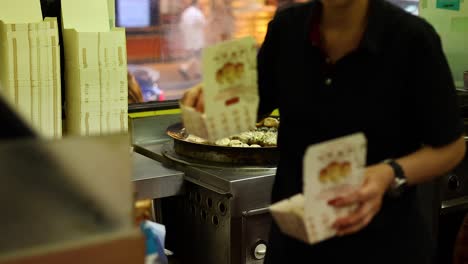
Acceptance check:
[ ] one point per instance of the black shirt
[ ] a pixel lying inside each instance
(396, 87)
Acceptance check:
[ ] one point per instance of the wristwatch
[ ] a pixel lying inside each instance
(400, 182)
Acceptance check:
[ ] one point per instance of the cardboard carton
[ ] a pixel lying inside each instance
(229, 91)
(331, 169)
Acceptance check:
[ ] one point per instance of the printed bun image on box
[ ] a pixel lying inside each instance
(331, 169)
(229, 91)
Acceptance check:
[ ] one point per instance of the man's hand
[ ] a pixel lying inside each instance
(193, 97)
(378, 179)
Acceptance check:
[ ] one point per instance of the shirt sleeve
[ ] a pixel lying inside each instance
(435, 101)
(266, 63)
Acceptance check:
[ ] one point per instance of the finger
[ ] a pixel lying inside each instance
(346, 200)
(187, 99)
(354, 218)
(355, 228)
(200, 105)
(191, 96)
(362, 195)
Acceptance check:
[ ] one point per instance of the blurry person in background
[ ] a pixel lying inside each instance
(134, 90)
(221, 22)
(147, 80)
(192, 26)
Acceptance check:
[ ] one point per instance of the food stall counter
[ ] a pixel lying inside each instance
(154, 181)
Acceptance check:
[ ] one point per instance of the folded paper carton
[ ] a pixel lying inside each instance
(331, 169)
(96, 69)
(229, 91)
(30, 81)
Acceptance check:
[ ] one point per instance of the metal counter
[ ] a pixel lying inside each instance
(153, 181)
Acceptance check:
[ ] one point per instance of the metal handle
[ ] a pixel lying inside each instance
(454, 205)
(255, 212)
(260, 251)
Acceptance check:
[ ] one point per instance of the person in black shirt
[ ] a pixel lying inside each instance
(336, 67)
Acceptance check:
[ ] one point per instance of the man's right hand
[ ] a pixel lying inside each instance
(193, 97)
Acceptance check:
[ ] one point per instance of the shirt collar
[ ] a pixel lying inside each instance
(373, 38)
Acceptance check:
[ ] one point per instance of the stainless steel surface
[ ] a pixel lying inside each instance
(224, 209)
(151, 130)
(255, 232)
(153, 180)
(205, 220)
(251, 185)
(206, 217)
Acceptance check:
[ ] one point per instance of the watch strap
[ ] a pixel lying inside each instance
(400, 183)
(397, 169)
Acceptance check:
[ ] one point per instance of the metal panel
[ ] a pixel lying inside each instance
(153, 181)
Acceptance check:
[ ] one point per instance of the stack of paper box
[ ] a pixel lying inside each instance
(95, 70)
(30, 59)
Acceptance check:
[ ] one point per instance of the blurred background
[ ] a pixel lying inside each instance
(155, 41)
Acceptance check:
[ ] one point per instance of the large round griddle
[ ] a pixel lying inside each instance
(214, 153)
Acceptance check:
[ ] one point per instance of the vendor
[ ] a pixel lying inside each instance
(337, 67)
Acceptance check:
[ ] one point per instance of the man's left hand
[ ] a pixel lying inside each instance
(368, 197)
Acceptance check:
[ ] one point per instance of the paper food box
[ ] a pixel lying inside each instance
(229, 91)
(331, 169)
(30, 56)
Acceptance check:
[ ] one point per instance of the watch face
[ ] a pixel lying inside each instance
(398, 187)
(399, 182)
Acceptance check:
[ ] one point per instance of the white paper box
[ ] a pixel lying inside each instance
(112, 48)
(115, 122)
(114, 83)
(84, 84)
(21, 11)
(84, 125)
(229, 90)
(289, 214)
(332, 169)
(85, 15)
(82, 107)
(23, 101)
(31, 80)
(35, 105)
(81, 49)
(16, 52)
